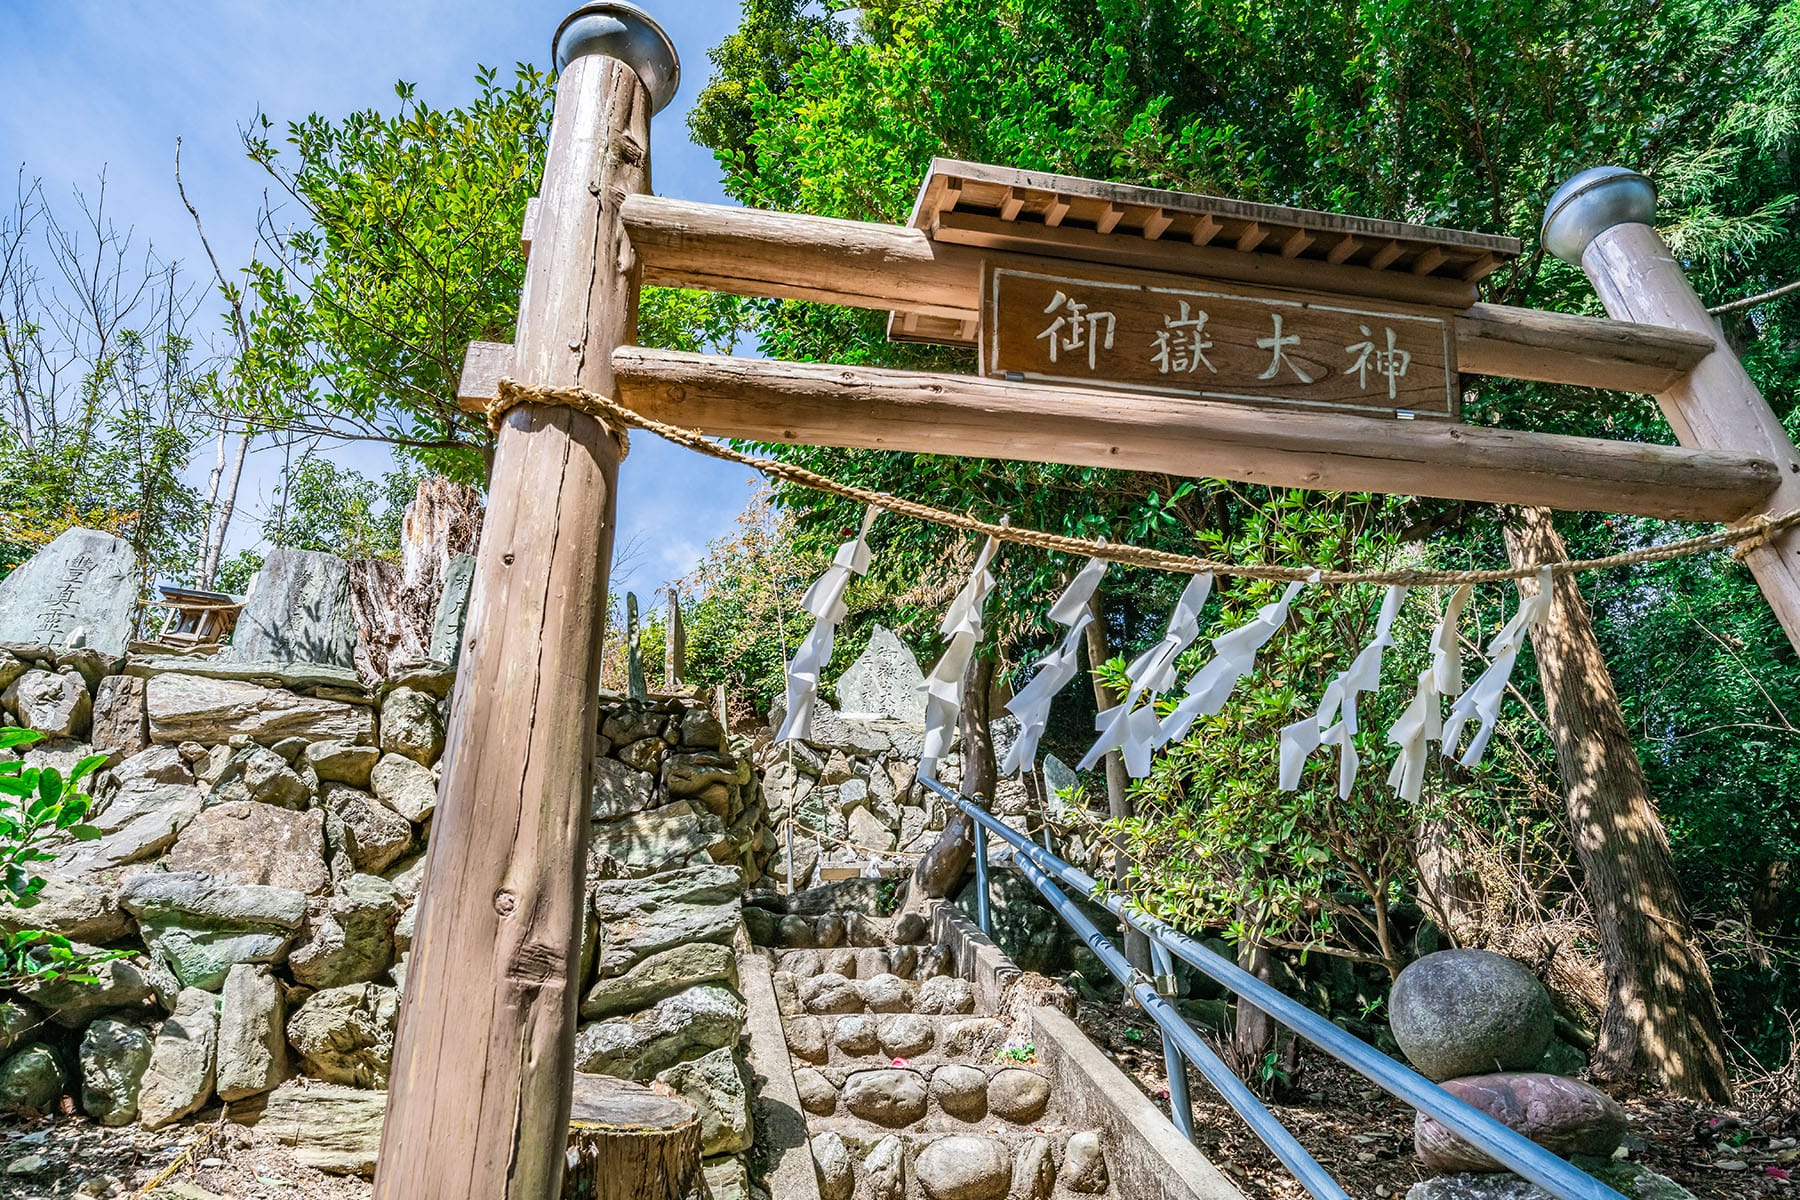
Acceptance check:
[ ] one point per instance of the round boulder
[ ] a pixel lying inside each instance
(1084, 1163)
(831, 993)
(904, 1035)
(1466, 1012)
(803, 963)
(831, 1159)
(856, 1034)
(1018, 1095)
(887, 994)
(806, 1039)
(960, 1090)
(1564, 1116)
(887, 1097)
(817, 1096)
(964, 1168)
(31, 1080)
(114, 1056)
(945, 995)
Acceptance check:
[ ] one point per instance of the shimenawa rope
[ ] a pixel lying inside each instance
(1754, 532)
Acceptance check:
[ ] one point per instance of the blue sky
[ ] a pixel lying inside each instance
(92, 85)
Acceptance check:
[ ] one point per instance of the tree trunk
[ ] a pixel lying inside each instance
(1254, 1032)
(1118, 801)
(627, 1142)
(394, 606)
(941, 868)
(1662, 1018)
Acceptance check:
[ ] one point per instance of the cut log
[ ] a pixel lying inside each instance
(627, 1142)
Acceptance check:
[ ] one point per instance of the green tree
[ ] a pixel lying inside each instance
(396, 245)
(1457, 113)
(338, 511)
(103, 392)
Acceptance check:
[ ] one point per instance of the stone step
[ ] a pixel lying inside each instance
(833, 929)
(864, 962)
(875, 1039)
(959, 1166)
(831, 994)
(946, 1096)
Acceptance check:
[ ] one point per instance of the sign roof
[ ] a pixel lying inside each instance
(1029, 212)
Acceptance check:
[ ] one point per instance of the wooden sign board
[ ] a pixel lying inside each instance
(1147, 333)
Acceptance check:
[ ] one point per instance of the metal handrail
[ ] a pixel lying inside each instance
(1180, 1040)
(1506, 1146)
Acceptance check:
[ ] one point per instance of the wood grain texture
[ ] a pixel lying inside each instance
(1716, 406)
(752, 252)
(1231, 257)
(958, 184)
(867, 408)
(627, 1142)
(479, 1097)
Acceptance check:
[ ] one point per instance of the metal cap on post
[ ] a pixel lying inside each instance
(1593, 202)
(627, 33)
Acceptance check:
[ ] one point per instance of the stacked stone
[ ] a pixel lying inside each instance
(847, 795)
(671, 789)
(1481, 1025)
(261, 850)
(259, 853)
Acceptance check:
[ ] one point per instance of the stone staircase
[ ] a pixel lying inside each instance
(912, 1085)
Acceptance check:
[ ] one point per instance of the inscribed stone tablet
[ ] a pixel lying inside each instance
(1058, 778)
(452, 610)
(884, 681)
(83, 585)
(299, 611)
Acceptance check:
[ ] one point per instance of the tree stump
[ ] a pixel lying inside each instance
(627, 1142)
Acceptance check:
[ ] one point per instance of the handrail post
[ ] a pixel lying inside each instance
(1508, 1146)
(1181, 1108)
(982, 920)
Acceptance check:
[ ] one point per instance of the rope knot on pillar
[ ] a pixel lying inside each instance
(511, 395)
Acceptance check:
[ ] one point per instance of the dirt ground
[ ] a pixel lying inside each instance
(73, 1157)
(1363, 1136)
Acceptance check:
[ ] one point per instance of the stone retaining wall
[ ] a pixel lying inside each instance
(261, 852)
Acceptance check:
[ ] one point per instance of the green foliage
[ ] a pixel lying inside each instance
(398, 246)
(38, 805)
(338, 511)
(103, 395)
(1462, 113)
(741, 604)
(1221, 845)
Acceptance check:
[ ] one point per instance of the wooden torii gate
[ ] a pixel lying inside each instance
(480, 1086)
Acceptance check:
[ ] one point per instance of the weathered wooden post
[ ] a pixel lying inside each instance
(1601, 221)
(478, 1106)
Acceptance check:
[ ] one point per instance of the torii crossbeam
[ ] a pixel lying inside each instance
(480, 1091)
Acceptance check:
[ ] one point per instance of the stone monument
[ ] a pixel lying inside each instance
(80, 590)
(452, 611)
(884, 681)
(298, 612)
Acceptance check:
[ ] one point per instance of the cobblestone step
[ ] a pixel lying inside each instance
(959, 1166)
(909, 1090)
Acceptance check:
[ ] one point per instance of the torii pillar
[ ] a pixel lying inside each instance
(479, 1097)
(1601, 221)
